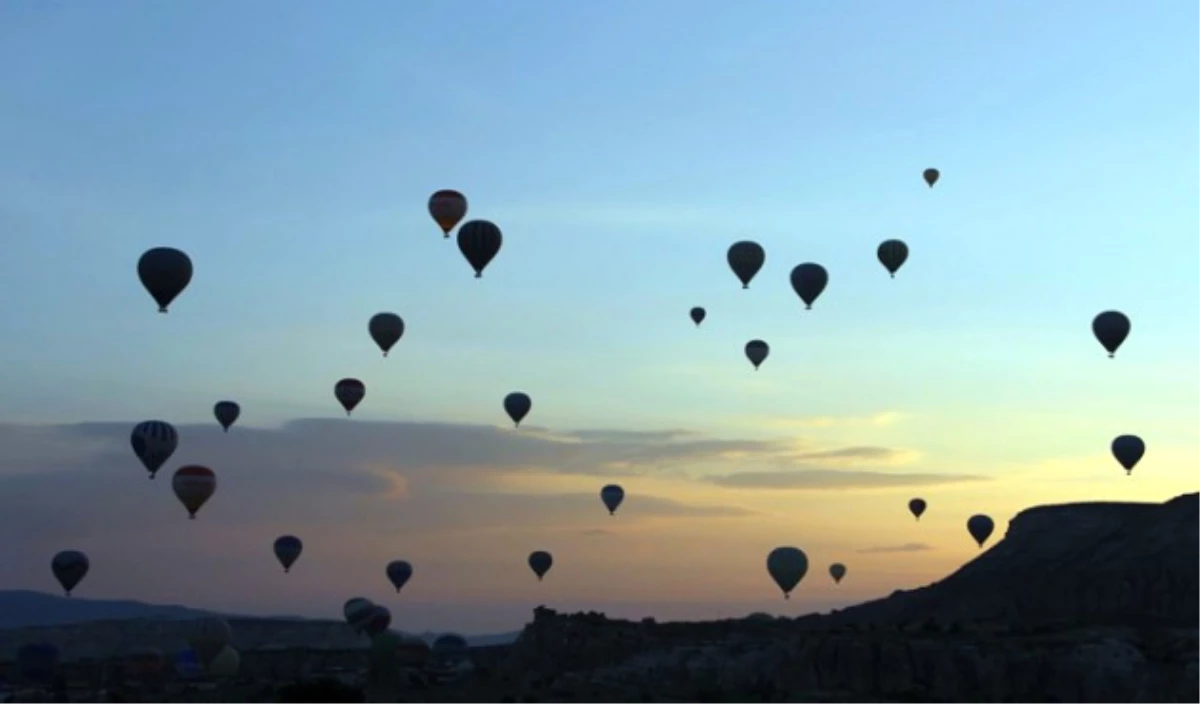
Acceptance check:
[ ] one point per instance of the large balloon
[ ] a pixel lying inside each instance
(787, 566)
(386, 330)
(227, 413)
(612, 496)
(697, 314)
(746, 259)
(517, 405)
(479, 241)
(69, 568)
(892, 255)
(398, 573)
(447, 208)
(837, 570)
(931, 176)
(225, 663)
(808, 281)
(1111, 328)
(980, 527)
(349, 393)
(1128, 449)
(194, 485)
(358, 612)
(165, 272)
(381, 618)
(757, 351)
(153, 441)
(287, 550)
(917, 507)
(540, 562)
(38, 662)
(208, 637)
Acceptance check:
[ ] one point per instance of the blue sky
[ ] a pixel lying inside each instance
(290, 147)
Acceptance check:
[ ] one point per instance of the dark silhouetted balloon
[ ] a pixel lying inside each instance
(153, 441)
(448, 208)
(349, 393)
(837, 570)
(479, 241)
(746, 259)
(980, 527)
(612, 496)
(756, 352)
(1111, 328)
(398, 573)
(931, 176)
(194, 485)
(808, 281)
(287, 550)
(517, 406)
(386, 330)
(1128, 449)
(540, 562)
(226, 413)
(165, 272)
(379, 621)
(787, 566)
(697, 314)
(892, 255)
(69, 568)
(917, 507)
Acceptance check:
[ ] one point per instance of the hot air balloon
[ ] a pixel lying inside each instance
(165, 273)
(287, 550)
(479, 241)
(194, 485)
(756, 352)
(450, 646)
(69, 568)
(208, 637)
(38, 662)
(1128, 449)
(892, 255)
(398, 573)
(187, 665)
(746, 259)
(540, 562)
(612, 496)
(447, 208)
(517, 406)
(227, 413)
(1111, 328)
(349, 393)
(931, 176)
(917, 507)
(386, 330)
(225, 663)
(787, 566)
(808, 281)
(153, 441)
(980, 527)
(697, 314)
(358, 611)
(837, 570)
(381, 618)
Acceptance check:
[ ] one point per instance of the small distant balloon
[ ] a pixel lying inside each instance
(837, 570)
(287, 550)
(980, 527)
(398, 573)
(208, 637)
(154, 441)
(479, 241)
(931, 176)
(917, 507)
(808, 281)
(349, 393)
(746, 258)
(386, 329)
(540, 562)
(612, 495)
(358, 611)
(226, 413)
(517, 405)
(165, 273)
(380, 619)
(697, 314)
(194, 485)
(1128, 449)
(892, 255)
(756, 352)
(447, 208)
(69, 568)
(787, 566)
(1111, 328)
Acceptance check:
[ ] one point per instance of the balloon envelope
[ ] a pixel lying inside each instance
(746, 258)
(757, 351)
(226, 413)
(892, 255)
(917, 507)
(447, 208)
(386, 329)
(358, 612)
(1111, 328)
(349, 393)
(225, 663)
(980, 527)
(1128, 450)
(837, 570)
(931, 176)
(153, 442)
(540, 562)
(208, 637)
(398, 573)
(194, 485)
(165, 273)
(378, 622)
(287, 550)
(787, 566)
(697, 315)
(479, 241)
(517, 405)
(69, 568)
(612, 496)
(808, 281)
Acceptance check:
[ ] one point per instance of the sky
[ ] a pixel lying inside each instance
(289, 147)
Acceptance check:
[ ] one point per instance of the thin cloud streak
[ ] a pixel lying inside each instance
(885, 549)
(822, 479)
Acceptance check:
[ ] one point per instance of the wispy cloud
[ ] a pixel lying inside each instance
(815, 479)
(906, 547)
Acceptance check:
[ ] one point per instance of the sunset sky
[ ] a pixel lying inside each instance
(290, 148)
